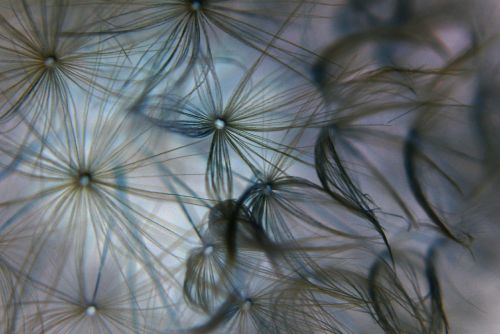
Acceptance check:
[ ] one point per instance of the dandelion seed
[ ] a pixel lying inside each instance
(187, 32)
(241, 123)
(42, 70)
(88, 288)
(75, 189)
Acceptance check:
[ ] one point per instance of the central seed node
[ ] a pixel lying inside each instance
(50, 61)
(208, 250)
(90, 311)
(84, 179)
(247, 304)
(268, 189)
(219, 124)
(196, 5)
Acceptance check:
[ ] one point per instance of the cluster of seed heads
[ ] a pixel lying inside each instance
(249, 166)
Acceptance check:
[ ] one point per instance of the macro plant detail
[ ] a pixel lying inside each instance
(248, 166)
(42, 69)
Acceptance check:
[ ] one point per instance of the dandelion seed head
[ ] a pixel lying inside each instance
(219, 124)
(90, 311)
